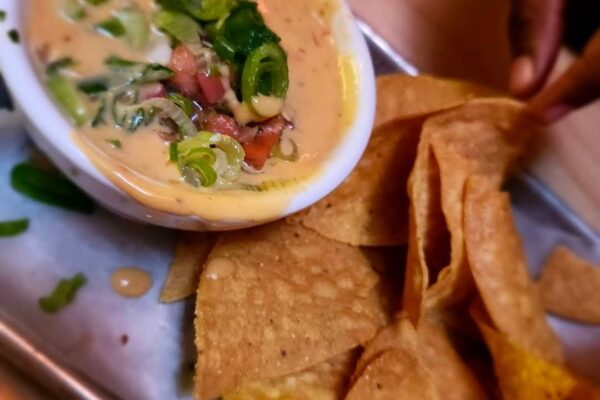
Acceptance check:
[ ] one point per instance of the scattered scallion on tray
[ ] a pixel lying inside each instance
(49, 188)
(13, 228)
(63, 294)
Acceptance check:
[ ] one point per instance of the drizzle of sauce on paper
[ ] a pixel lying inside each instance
(131, 282)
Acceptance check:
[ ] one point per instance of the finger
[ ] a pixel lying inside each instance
(535, 31)
(578, 86)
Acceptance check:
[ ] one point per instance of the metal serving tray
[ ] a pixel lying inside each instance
(105, 347)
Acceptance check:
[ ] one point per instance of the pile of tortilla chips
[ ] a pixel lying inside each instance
(407, 282)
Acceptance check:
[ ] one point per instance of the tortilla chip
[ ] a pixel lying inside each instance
(184, 273)
(371, 207)
(477, 138)
(404, 363)
(570, 287)
(394, 375)
(325, 381)
(523, 375)
(279, 299)
(498, 263)
(401, 97)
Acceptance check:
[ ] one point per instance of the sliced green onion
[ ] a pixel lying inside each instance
(99, 117)
(231, 147)
(138, 73)
(290, 155)
(199, 172)
(14, 36)
(72, 9)
(209, 10)
(119, 64)
(183, 28)
(13, 228)
(60, 64)
(182, 102)
(242, 32)
(265, 72)
(228, 166)
(111, 27)
(185, 124)
(173, 152)
(63, 294)
(96, 2)
(173, 5)
(94, 85)
(68, 98)
(49, 188)
(137, 28)
(115, 143)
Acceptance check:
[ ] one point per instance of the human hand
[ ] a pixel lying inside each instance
(536, 28)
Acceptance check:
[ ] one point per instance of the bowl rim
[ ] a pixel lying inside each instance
(39, 109)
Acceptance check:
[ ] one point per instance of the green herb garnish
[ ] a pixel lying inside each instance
(265, 72)
(60, 64)
(182, 102)
(96, 2)
(13, 35)
(115, 143)
(2, 15)
(63, 294)
(243, 32)
(49, 188)
(13, 228)
(110, 27)
(67, 97)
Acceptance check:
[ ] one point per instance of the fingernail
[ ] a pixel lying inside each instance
(556, 112)
(521, 75)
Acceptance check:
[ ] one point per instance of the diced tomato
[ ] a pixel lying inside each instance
(212, 88)
(259, 150)
(152, 90)
(212, 121)
(184, 61)
(185, 67)
(186, 84)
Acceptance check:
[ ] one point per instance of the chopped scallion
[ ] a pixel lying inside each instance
(110, 27)
(137, 28)
(63, 294)
(115, 143)
(14, 36)
(49, 188)
(13, 228)
(60, 64)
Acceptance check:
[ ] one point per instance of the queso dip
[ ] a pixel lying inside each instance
(182, 101)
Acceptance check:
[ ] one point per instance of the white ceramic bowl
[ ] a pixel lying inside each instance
(49, 129)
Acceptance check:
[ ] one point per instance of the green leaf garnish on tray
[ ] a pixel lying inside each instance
(64, 293)
(13, 228)
(49, 188)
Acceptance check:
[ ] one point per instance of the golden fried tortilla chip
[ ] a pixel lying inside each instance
(184, 272)
(402, 96)
(499, 266)
(279, 299)
(481, 137)
(402, 362)
(523, 375)
(570, 287)
(393, 375)
(325, 381)
(371, 207)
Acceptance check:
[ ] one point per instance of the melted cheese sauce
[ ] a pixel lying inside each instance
(320, 101)
(130, 282)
